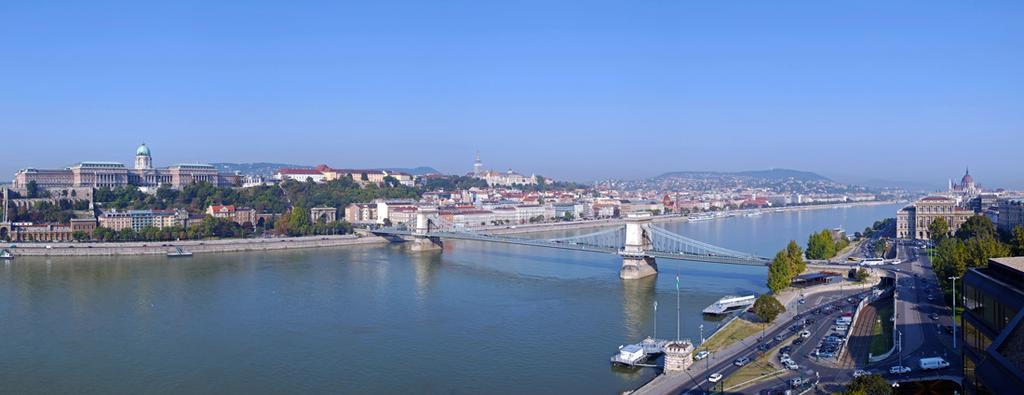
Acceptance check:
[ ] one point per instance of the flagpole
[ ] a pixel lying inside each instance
(677, 307)
(655, 319)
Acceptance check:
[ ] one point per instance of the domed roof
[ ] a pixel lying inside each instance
(143, 150)
(967, 178)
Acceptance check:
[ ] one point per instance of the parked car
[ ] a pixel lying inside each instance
(796, 382)
(934, 316)
(798, 341)
(791, 365)
(860, 372)
(778, 338)
(701, 355)
(805, 334)
(741, 361)
(715, 377)
(899, 369)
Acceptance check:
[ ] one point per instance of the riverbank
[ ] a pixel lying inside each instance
(283, 243)
(193, 246)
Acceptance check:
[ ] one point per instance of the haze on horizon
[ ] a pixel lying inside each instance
(913, 91)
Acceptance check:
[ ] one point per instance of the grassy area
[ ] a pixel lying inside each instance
(738, 330)
(881, 340)
(760, 367)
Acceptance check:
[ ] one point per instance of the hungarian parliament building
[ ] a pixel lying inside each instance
(116, 174)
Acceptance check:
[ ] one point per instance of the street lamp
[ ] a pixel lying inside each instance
(954, 278)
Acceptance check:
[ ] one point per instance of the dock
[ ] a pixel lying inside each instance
(728, 303)
(637, 355)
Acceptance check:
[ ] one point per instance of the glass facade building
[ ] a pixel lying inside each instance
(992, 335)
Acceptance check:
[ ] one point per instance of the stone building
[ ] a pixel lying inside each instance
(678, 356)
(238, 215)
(115, 174)
(361, 213)
(323, 214)
(1011, 214)
(912, 221)
(139, 219)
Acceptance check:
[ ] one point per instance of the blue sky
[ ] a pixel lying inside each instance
(576, 90)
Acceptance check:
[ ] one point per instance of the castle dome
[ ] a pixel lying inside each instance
(143, 150)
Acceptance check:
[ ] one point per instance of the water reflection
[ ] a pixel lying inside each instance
(638, 305)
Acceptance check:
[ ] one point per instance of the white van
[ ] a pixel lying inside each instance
(933, 363)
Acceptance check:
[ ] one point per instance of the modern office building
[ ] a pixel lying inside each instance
(993, 331)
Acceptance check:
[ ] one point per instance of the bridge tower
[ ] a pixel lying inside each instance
(635, 261)
(421, 239)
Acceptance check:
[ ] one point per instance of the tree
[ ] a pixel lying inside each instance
(976, 226)
(79, 235)
(33, 189)
(779, 272)
(980, 249)
(938, 229)
(767, 308)
(862, 274)
(796, 258)
(1017, 241)
(820, 245)
(871, 384)
(879, 248)
(951, 259)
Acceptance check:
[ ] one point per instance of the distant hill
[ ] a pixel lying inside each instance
(256, 169)
(771, 174)
(417, 171)
(268, 169)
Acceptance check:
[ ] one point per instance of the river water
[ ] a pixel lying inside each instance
(477, 318)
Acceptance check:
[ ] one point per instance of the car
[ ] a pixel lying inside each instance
(899, 369)
(798, 341)
(791, 365)
(796, 382)
(805, 334)
(931, 298)
(701, 355)
(934, 316)
(778, 338)
(860, 372)
(803, 301)
(741, 361)
(715, 377)
(785, 350)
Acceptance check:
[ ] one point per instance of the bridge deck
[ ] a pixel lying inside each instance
(568, 244)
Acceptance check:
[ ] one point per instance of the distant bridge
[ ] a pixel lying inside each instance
(639, 242)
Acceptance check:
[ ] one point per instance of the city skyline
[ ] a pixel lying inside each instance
(570, 92)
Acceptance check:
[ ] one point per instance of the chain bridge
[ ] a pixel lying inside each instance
(638, 242)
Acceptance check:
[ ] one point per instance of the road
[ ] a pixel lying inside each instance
(922, 336)
(698, 383)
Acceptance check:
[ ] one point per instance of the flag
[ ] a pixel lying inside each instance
(655, 305)
(677, 282)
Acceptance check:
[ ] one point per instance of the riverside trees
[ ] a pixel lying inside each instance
(788, 263)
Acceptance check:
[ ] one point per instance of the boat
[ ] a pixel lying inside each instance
(729, 303)
(700, 217)
(178, 253)
(629, 355)
(6, 255)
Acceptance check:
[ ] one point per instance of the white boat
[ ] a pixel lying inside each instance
(728, 303)
(6, 255)
(629, 355)
(700, 217)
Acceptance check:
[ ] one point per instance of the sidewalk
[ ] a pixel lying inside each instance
(665, 384)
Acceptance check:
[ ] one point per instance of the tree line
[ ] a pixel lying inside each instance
(971, 246)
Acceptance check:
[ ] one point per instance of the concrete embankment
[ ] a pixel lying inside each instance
(193, 246)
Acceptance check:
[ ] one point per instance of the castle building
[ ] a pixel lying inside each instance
(115, 174)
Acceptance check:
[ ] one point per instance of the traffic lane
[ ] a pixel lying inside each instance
(727, 367)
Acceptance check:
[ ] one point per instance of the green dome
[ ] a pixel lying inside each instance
(143, 150)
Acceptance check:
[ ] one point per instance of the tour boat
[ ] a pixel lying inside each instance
(6, 255)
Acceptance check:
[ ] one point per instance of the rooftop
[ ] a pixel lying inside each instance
(1015, 263)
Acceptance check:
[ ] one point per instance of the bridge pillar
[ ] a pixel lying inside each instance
(421, 239)
(635, 261)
